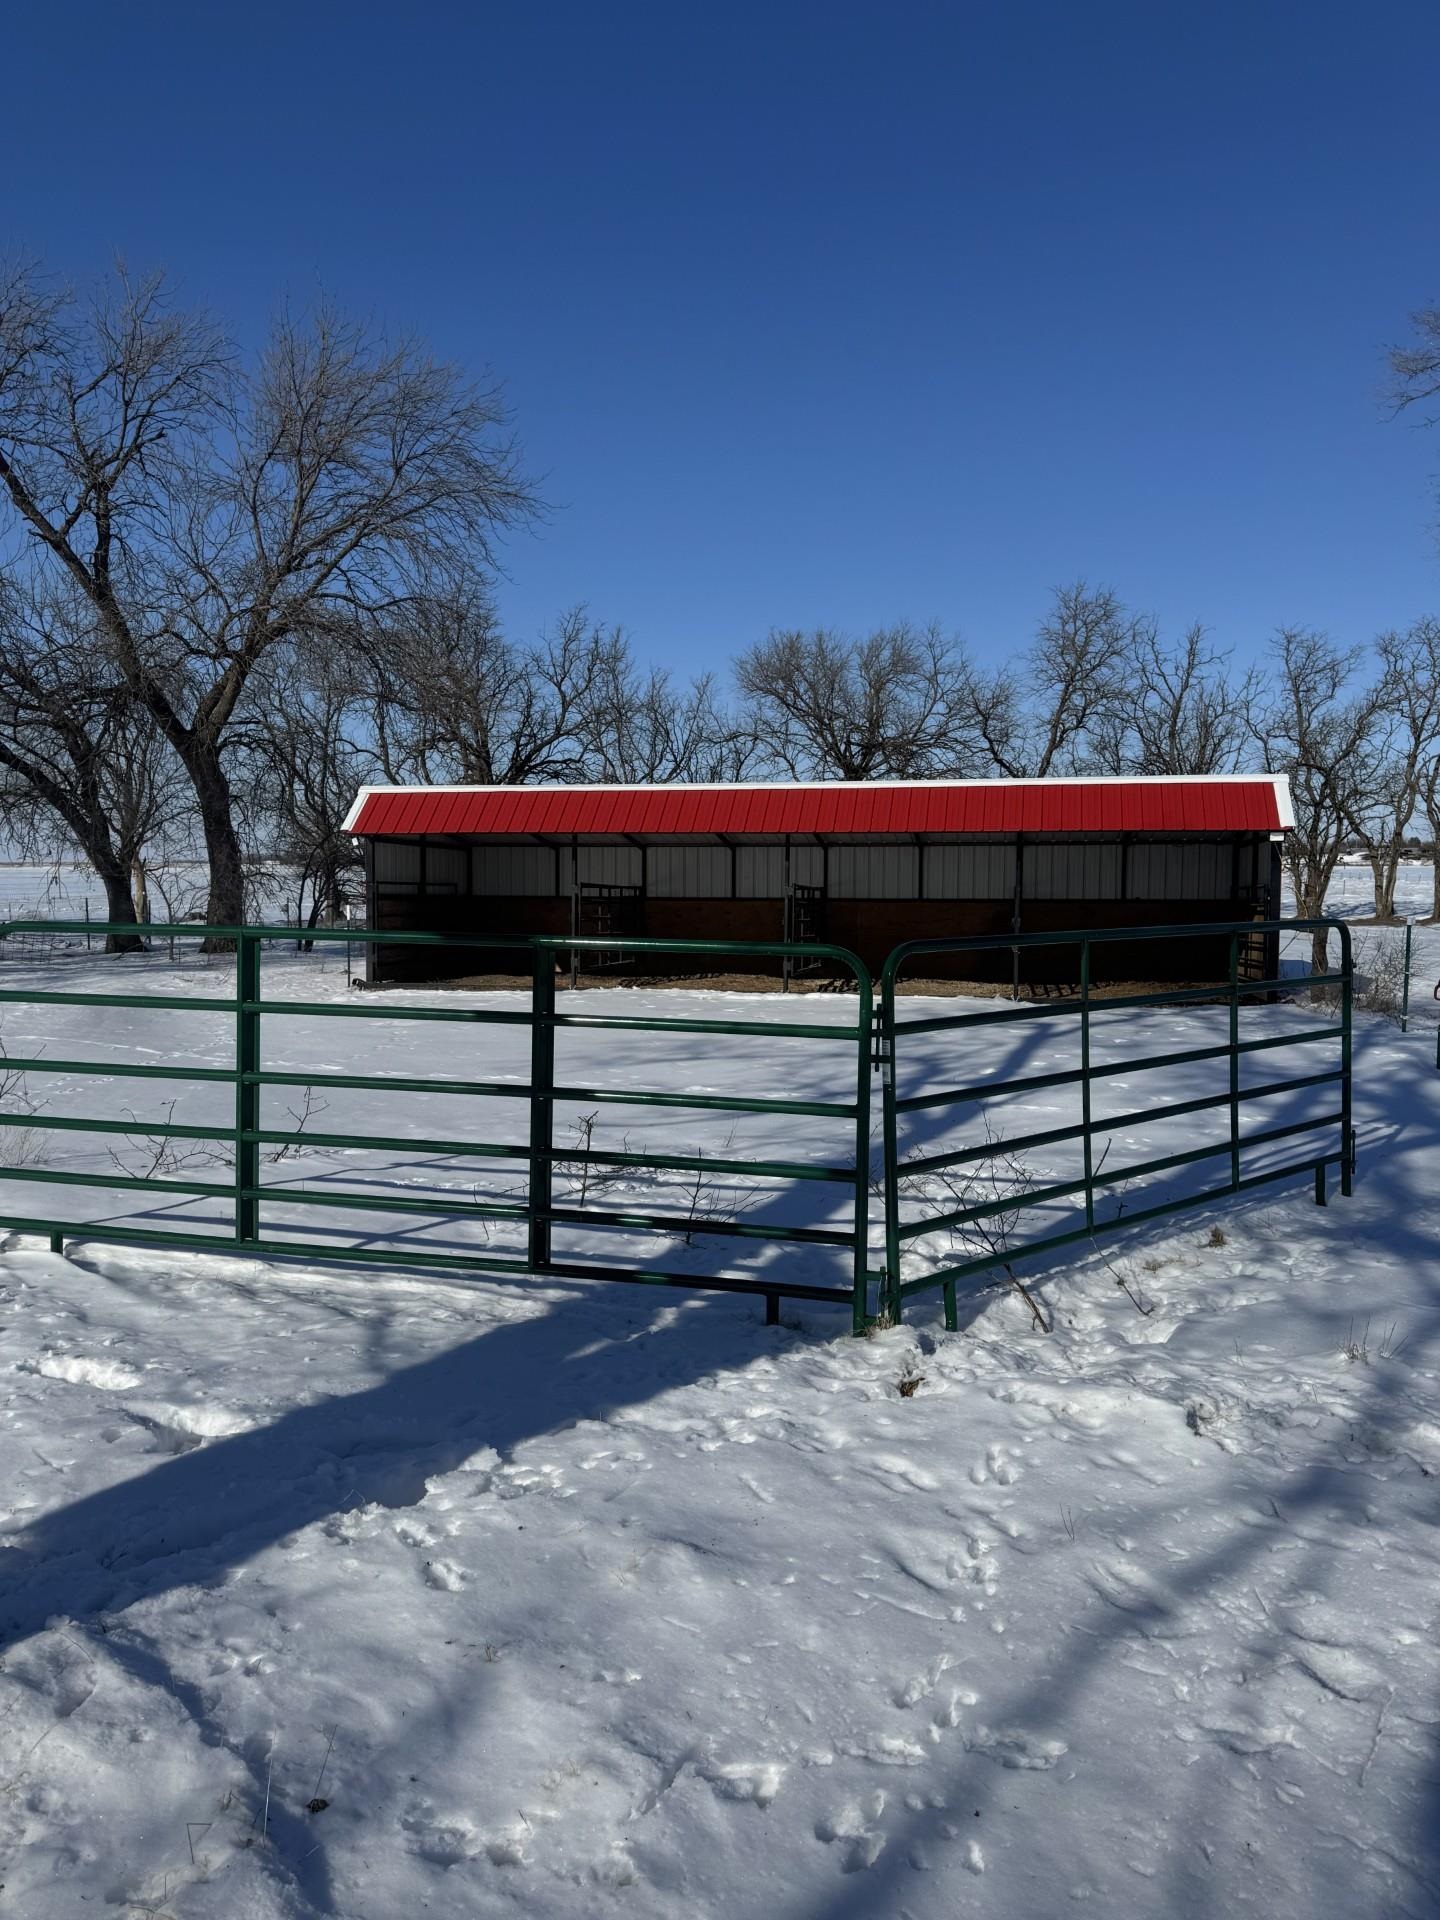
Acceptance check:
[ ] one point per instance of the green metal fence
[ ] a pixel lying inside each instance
(987, 1222)
(869, 1038)
(536, 1210)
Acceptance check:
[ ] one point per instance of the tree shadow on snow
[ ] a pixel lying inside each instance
(194, 1517)
(1395, 1875)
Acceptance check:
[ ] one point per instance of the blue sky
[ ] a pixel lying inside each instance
(824, 313)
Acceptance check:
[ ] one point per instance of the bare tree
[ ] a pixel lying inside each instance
(452, 699)
(1034, 717)
(1179, 712)
(81, 766)
(826, 706)
(1403, 765)
(305, 754)
(1415, 368)
(1430, 805)
(638, 728)
(1323, 736)
(208, 514)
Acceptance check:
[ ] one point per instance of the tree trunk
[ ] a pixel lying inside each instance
(1309, 893)
(140, 889)
(119, 909)
(1386, 868)
(225, 906)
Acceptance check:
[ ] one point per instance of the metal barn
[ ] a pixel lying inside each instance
(864, 866)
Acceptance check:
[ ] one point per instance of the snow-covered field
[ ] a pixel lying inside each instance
(581, 1601)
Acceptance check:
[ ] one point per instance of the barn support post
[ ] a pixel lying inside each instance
(1272, 909)
(542, 1107)
(1015, 914)
(787, 918)
(574, 908)
(372, 913)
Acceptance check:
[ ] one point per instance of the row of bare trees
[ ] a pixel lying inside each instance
(232, 593)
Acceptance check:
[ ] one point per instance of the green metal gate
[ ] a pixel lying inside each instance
(927, 1191)
(536, 1210)
(990, 1185)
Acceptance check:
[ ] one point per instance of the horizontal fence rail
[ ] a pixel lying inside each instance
(997, 1186)
(958, 1193)
(537, 1210)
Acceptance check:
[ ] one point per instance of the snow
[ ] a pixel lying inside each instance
(574, 1600)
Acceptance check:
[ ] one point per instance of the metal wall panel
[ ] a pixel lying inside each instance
(513, 870)
(759, 873)
(447, 869)
(610, 866)
(969, 872)
(1057, 871)
(1180, 870)
(688, 873)
(396, 863)
(1157, 870)
(874, 873)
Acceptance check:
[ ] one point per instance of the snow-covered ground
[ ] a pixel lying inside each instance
(581, 1601)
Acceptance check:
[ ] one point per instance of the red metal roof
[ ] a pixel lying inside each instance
(1239, 804)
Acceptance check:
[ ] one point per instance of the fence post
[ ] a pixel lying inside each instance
(865, 1039)
(542, 1106)
(1087, 1138)
(1235, 1060)
(1405, 990)
(1347, 1129)
(888, 1050)
(247, 1090)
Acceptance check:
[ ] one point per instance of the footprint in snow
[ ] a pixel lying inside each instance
(111, 1376)
(55, 1668)
(997, 1466)
(444, 1575)
(895, 1466)
(1249, 1737)
(852, 1825)
(1340, 1671)
(1132, 1590)
(921, 1685)
(1013, 1747)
